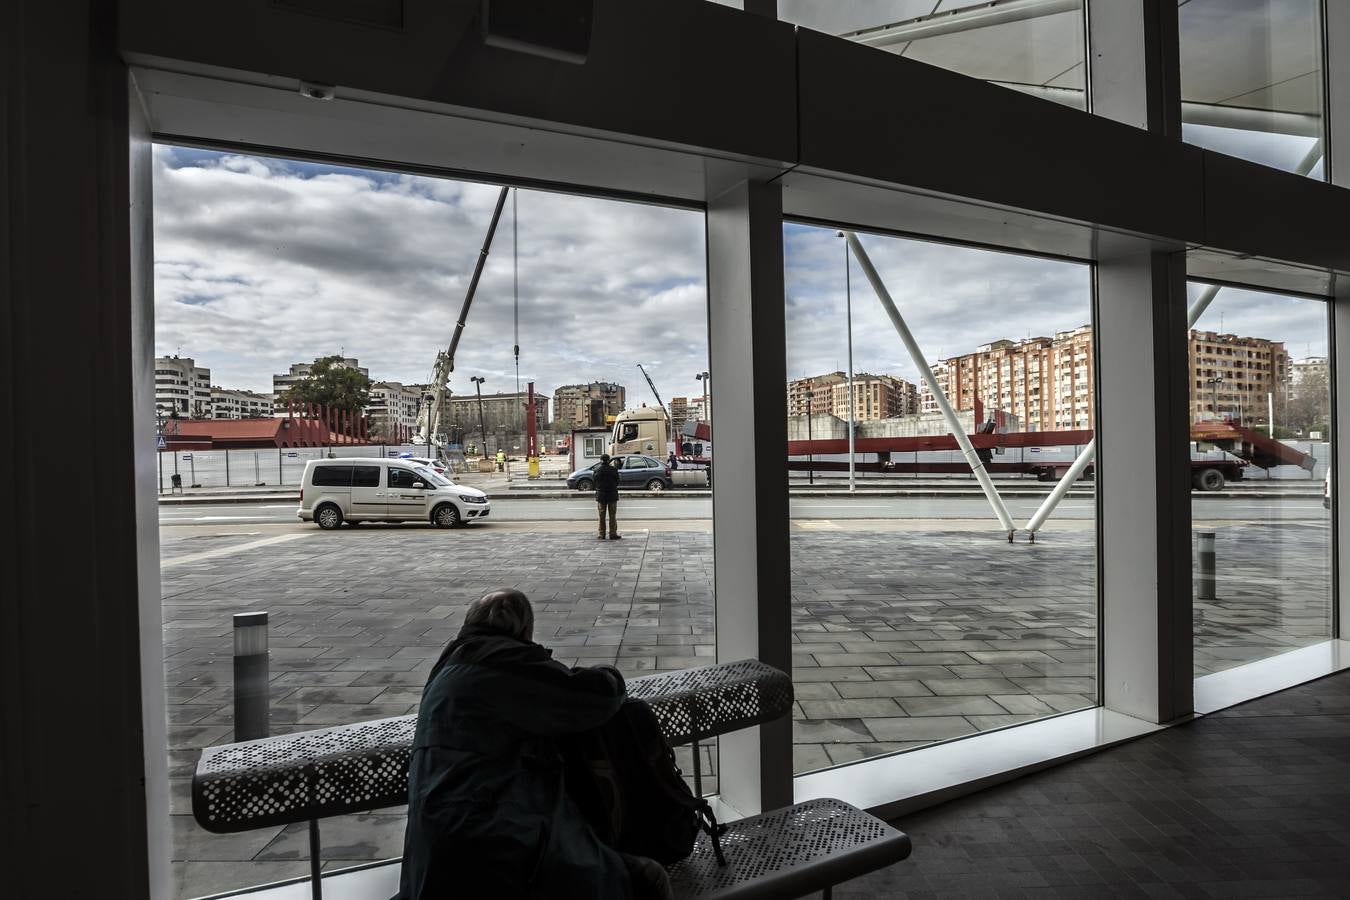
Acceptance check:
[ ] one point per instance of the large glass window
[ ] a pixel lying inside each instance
(915, 620)
(1035, 47)
(1260, 455)
(1251, 80)
(264, 266)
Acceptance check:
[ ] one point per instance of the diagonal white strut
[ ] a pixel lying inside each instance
(967, 449)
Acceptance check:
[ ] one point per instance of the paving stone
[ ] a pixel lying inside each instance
(950, 706)
(925, 728)
(843, 709)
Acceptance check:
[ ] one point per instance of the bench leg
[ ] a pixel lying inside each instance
(698, 774)
(315, 863)
(827, 893)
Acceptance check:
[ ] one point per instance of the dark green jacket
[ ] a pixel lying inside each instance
(487, 813)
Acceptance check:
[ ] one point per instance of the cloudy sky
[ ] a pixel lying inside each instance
(265, 262)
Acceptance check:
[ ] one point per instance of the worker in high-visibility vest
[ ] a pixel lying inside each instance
(501, 460)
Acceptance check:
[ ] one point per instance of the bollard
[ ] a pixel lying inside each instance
(1205, 581)
(250, 676)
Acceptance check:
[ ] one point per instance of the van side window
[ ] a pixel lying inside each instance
(332, 476)
(402, 478)
(365, 476)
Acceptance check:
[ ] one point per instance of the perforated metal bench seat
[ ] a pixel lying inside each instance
(332, 771)
(790, 852)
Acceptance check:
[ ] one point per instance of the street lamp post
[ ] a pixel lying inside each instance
(848, 319)
(482, 428)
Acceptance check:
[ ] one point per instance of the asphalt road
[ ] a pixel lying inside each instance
(635, 508)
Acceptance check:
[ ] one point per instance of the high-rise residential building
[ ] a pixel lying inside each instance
(586, 405)
(1045, 382)
(182, 388)
(679, 411)
(1231, 375)
(300, 371)
(394, 405)
(814, 395)
(227, 403)
(874, 396)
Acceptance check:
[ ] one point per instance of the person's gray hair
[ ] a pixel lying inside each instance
(505, 611)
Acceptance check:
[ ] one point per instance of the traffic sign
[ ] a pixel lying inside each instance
(160, 443)
(187, 456)
(292, 455)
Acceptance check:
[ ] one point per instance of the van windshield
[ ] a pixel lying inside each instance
(432, 477)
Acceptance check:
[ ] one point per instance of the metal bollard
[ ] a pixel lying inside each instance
(250, 676)
(1204, 589)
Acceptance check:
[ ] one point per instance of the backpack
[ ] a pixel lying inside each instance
(624, 779)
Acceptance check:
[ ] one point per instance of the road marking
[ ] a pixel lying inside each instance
(229, 551)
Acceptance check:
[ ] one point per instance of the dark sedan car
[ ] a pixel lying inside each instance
(635, 471)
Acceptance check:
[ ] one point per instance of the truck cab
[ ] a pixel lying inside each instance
(642, 430)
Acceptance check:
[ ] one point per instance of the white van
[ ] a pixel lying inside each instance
(385, 490)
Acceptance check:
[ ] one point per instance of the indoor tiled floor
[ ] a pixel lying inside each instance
(1253, 801)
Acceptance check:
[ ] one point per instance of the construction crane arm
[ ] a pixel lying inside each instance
(445, 361)
(655, 393)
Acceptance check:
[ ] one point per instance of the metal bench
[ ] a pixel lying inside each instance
(311, 775)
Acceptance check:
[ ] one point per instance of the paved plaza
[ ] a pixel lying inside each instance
(901, 636)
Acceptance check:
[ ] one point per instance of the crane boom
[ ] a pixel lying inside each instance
(653, 387)
(445, 360)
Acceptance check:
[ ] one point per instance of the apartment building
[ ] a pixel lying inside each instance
(182, 388)
(301, 370)
(394, 405)
(502, 413)
(1233, 376)
(813, 395)
(587, 405)
(1045, 381)
(874, 396)
(227, 403)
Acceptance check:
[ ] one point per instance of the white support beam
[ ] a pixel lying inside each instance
(752, 585)
(915, 354)
(967, 18)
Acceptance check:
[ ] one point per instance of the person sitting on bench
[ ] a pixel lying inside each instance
(488, 815)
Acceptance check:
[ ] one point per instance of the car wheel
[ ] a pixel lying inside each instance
(328, 517)
(656, 485)
(1211, 480)
(585, 484)
(445, 516)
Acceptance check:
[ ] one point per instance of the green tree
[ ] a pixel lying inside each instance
(1309, 408)
(331, 384)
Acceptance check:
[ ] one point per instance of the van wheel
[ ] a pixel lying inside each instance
(585, 484)
(656, 485)
(445, 516)
(328, 517)
(1210, 480)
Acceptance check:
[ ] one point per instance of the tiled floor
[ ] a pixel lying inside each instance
(1250, 802)
(900, 638)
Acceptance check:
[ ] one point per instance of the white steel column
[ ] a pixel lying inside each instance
(1336, 22)
(1142, 427)
(747, 355)
(1143, 483)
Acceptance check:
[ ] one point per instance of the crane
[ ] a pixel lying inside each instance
(659, 404)
(445, 360)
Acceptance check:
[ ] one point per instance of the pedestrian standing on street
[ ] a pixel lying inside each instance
(501, 460)
(607, 496)
(673, 462)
